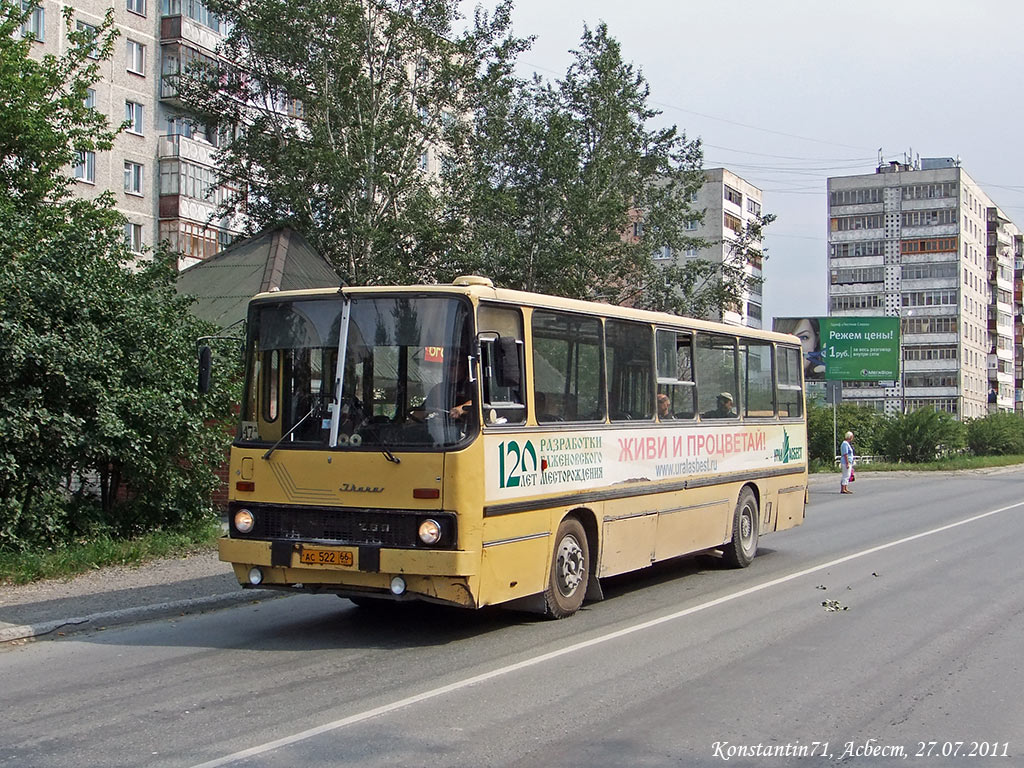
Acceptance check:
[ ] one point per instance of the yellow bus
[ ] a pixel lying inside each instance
(470, 445)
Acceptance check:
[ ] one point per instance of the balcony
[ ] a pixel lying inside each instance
(185, 148)
(179, 28)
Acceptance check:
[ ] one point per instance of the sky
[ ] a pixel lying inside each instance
(786, 93)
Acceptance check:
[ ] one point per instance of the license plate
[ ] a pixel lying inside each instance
(337, 557)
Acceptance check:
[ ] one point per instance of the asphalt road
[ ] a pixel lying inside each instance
(892, 620)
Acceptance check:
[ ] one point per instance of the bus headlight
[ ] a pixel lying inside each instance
(245, 521)
(430, 532)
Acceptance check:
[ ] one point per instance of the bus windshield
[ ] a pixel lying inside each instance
(407, 374)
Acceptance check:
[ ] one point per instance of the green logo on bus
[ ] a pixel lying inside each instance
(517, 464)
(787, 453)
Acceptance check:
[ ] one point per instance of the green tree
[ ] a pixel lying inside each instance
(330, 109)
(571, 192)
(95, 358)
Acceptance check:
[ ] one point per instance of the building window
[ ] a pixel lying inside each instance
(136, 58)
(136, 6)
(196, 181)
(690, 225)
(929, 218)
(733, 195)
(947, 404)
(85, 170)
(733, 223)
(929, 270)
(90, 98)
(929, 191)
(753, 207)
(133, 174)
(857, 301)
(89, 32)
(933, 245)
(929, 325)
(133, 115)
(932, 379)
(854, 223)
(861, 248)
(133, 237)
(930, 353)
(663, 254)
(856, 196)
(936, 298)
(858, 275)
(35, 25)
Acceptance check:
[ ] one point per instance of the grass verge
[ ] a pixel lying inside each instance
(70, 560)
(949, 464)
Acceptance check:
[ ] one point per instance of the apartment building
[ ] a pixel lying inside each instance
(728, 202)
(923, 242)
(161, 167)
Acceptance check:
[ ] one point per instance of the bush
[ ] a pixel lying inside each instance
(867, 424)
(923, 435)
(998, 434)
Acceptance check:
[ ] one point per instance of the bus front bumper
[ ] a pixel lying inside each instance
(441, 575)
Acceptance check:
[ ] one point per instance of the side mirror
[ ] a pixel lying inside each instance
(205, 368)
(508, 361)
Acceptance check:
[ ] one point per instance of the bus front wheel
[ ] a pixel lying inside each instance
(570, 570)
(739, 552)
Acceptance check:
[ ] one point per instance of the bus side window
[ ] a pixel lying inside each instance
(568, 366)
(676, 389)
(628, 355)
(790, 396)
(502, 361)
(757, 392)
(716, 377)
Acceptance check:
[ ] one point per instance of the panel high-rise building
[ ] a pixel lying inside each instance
(161, 167)
(924, 242)
(729, 203)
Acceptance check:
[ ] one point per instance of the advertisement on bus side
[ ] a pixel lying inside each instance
(521, 465)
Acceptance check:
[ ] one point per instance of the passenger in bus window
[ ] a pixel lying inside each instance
(665, 407)
(543, 414)
(723, 410)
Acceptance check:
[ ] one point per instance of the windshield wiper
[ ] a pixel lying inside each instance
(390, 456)
(287, 434)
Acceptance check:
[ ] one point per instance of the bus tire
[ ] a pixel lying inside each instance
(740, 551)
(570, 570)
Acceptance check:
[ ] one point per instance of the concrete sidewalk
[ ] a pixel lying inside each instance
(120, 595)
(162, 588)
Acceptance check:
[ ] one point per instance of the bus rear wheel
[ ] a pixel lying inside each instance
(739, 552)
(570, 570)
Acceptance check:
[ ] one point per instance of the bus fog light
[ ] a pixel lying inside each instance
(255, 576)
(245, 521)
(430, 531)
(398, 586)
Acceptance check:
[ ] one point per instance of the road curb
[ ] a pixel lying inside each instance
(11, 633)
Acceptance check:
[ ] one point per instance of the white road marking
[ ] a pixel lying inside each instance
(506, 670)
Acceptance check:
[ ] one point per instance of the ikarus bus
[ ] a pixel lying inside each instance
(470, 445)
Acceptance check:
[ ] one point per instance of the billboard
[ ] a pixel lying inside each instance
(847, 348)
